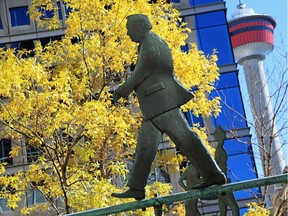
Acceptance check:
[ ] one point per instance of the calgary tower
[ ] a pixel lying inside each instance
(252, 39)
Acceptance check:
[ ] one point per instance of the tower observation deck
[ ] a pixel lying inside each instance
(251, 34)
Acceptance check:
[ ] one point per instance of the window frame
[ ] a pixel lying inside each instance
(4, 156)
(14, 19)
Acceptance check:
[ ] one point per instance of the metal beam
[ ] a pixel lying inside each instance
(192, 194)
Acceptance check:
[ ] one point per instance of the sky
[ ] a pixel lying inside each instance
(278, 10)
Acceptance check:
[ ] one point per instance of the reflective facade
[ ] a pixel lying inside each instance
(207, 19)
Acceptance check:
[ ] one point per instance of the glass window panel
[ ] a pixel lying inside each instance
(188, 116)
(46, 14)
(238, 146)
(30, 198)
(232, 110)
(39, 198)
(227, 80)
(185, 48)
(219, 41)
(34, 196)
(59, 11)
(193, 119)
(50, 13)
(247, 194)
(3, 206)
(19, 16)
(211, 19)
(241, 168)
(243, 211)
(68, 10)
(15, 45)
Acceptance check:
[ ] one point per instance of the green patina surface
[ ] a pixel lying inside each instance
(192, 194)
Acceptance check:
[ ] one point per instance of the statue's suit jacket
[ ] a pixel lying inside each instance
(153, 79)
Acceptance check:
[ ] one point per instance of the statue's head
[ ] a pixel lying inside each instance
(138, 25)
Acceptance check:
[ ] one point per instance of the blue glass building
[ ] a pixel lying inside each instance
(208, 22)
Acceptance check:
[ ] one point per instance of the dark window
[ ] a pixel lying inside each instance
(28, 45)
(182, 20)
(216, 38)
(75, 40)
(3, 46)
(19, 16)
(45, 41)
(67, 10)
(5, 148)
(1, 25)
(211, 19)
(59, 11)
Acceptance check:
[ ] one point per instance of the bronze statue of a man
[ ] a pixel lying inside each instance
(160, 95)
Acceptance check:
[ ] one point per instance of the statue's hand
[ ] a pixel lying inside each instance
(116, 97)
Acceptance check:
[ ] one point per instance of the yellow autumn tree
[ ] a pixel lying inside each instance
(255, 209)
(57, 99)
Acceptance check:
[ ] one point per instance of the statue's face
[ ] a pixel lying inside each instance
(134, 32)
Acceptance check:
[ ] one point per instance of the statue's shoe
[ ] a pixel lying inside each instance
(131, 193)
(217, 179)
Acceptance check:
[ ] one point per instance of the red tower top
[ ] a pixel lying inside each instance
(251, 34)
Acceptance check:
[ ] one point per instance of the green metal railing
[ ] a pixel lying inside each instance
(177, 197)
